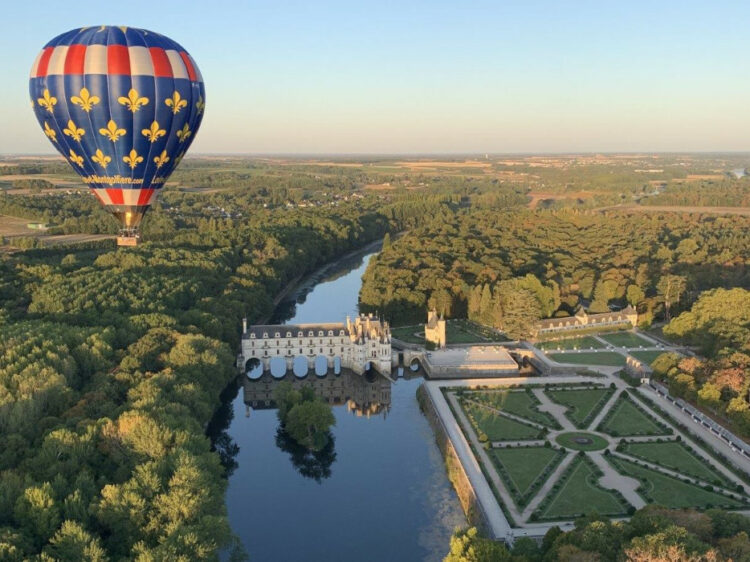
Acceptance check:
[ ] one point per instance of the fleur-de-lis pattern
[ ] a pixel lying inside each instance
(112, 131)
(154, 132)
(50, 132)
(161, 159)
(132, 159)
(101, 158)
(75, 158)
(47, 101)
(175, 102)
(119, 131)
(85, 100)
(133, 101)
(184, 133)
(74, 131)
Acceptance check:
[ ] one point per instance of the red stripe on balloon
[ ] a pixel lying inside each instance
(162, 67)
(118, 59)
(144, 198)
(75, 59)
(41, 70)
(188, 65)
(115, 196)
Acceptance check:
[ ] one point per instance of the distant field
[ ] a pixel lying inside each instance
(626, 339)
(15, 226)
(586, 342)
(606, 358)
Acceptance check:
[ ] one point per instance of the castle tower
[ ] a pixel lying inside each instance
(434, 330)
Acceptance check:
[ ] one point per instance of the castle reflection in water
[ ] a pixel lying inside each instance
(363, 395)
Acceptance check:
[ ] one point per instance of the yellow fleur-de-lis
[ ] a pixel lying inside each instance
(200, 105)
(85, 100)
(161, 159)
(48, 101)
(74, 131)
(101, 158)
(76, 159)
(175, 102)
(132, 159)
(184, 133)
(113, 132)
(134, 101)
(154, 132)
(50, 132)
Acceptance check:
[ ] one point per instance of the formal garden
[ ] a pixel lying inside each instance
(553, 452)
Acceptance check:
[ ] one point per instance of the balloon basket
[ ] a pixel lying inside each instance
(127, 241)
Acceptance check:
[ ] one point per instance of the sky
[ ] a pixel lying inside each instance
(387, 77)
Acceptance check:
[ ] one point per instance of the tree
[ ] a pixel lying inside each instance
(635, 295)
(73, 542)
(671, 288)
(467, 545)
(309, 422)
(387, 241)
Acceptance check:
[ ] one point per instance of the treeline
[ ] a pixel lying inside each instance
(653, 533)
(497, 267)
(111, 366)
(718, 324)
(721, 193)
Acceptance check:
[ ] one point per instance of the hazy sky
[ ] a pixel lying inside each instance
(432, 76)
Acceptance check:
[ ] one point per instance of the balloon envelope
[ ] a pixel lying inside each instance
(122, 105)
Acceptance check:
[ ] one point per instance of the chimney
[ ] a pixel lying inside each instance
(244, 326)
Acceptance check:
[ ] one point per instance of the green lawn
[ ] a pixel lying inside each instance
(523, 465)
(678, 457)
(586, 342)
(582, 403)
(520, 403)
(647, 357)
(497, 427)
(568, 440)
(626, 419)
(607, 358)
(668, 491)
(581, 494)
(406, 333)
(626, 339)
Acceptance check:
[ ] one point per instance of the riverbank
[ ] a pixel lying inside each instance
(309, 280)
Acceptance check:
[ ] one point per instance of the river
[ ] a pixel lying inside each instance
(380, 492)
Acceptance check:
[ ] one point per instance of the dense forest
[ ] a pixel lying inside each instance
(112, 363)
(508, 269)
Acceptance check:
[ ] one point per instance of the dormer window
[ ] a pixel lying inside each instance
(252, 336)
(265, 334)
(341, 332)
(300, 334)
(277, 335)
(310, 333)
(330, 332)
(289, 334)
(320, 332)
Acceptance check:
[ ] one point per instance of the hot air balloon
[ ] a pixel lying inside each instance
(122, 106)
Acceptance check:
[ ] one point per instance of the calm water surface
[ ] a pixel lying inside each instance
(378, 493)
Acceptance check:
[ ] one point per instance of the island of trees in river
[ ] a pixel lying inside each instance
(112, 361)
